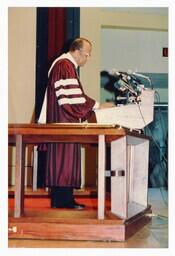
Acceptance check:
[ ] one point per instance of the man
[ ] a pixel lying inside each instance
(67, 103)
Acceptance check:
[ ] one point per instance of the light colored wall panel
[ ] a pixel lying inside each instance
(21, 72)
(90, 25)
(21, 69)
(92, 20)
(138, 50)
(130, 18)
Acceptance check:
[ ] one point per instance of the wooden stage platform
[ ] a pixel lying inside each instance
(66, 224)
(128, 179)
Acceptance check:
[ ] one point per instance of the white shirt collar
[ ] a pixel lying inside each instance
(70, 57)
(64, 56)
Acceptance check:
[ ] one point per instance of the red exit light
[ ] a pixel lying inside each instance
(165, 52)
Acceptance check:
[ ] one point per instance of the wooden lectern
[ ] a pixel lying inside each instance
(129, 155)
(129, 182)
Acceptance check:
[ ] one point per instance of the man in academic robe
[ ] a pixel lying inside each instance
(66, 102)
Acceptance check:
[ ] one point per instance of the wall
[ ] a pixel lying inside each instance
(90, 24)
(92, 21)
(136, 50)
(21, 69)
(21, 74)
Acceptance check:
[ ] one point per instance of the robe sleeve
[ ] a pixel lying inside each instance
(69, 93)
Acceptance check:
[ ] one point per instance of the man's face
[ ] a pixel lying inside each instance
(84, 54)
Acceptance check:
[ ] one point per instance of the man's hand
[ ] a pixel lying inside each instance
(107, 105)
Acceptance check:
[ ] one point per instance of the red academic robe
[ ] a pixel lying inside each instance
(66, 103)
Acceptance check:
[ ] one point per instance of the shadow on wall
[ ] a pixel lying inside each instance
(158, 155)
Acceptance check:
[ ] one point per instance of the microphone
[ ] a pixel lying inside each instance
(129, 76)
(128, 81)
(115, 72)
(141, 76)
(138, 74)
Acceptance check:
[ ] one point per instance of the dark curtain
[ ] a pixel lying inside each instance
(56, 31)
(41, 58)
(56, 28)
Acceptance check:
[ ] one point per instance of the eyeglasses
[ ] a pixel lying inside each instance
(87, 55)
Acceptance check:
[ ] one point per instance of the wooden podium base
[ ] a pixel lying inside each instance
(76, 225)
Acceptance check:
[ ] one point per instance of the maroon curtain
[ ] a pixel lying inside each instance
(56, 31)
(55, 26)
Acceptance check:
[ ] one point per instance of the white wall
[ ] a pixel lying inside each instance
(133, 49)
(94, 20)
(136, 50)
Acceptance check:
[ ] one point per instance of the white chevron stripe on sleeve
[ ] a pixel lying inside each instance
(64, 101)
(64, 82)
(73, 91)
